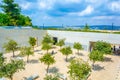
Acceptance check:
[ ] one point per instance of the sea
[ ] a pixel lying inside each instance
(93, 27)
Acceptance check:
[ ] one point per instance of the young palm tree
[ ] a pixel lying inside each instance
(47, 39)
(26, 51)
(11, 46)
(9, 69)
(48, 60)
(96, 55)
(32, 41)
(61, 43)
(77, 46)
(46, 47)
(66, 51)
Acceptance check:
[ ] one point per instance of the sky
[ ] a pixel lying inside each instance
(71, 12)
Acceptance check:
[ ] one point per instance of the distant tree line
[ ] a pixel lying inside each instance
(11, 15)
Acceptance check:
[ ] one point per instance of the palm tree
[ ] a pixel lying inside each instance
(47, 39)
(32, 41)
(46, 47)
(77, 46)
(96, 55)
(26, 51)
(48, 60)
(61, 43)
(11, 46)
(66, 51)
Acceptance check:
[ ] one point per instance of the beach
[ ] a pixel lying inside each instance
(106, 70)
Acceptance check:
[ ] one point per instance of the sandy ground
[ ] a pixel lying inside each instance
(107, 70)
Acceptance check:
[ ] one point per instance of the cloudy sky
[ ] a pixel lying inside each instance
(72, 12)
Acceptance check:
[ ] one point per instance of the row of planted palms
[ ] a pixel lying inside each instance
(47, 42)
(76, 66)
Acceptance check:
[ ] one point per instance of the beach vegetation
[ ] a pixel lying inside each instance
(46, 47)
(66, 51)
(79, 69)
(26, 51)
(102, 47)
(86, 28)
(47, 39)
(61, 43)
(32, 42)
(48, 60)
(9, 69)
(11, 45)
(50, 77)
(77, 46)
(2, 59)
(95, 55)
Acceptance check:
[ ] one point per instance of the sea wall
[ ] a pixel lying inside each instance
(85, 37)
(21, 36)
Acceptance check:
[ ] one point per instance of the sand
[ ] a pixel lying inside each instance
(107, 70)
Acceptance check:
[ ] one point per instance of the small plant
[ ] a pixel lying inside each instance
(50, 77)
(95, 56)
(11, 45)
(66, 51)
(78, 46)
(9, 69)
(32, 41)
(46, 46)
(78, 69)
(48, 60)
(61, 43)
(26, 51)
(103, 47)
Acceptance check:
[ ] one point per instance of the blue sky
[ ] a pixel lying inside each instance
(72, 12)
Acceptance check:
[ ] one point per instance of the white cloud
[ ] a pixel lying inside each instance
(91, 1)
(115, 6)
(87, 11)
(45, 4)
(104, 17)
(72, 1)
(25, 5)
(46, 17)
(42, 5)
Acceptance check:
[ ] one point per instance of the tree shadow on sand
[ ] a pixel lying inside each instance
(33, 61)
(53, 70)
(107, 59)
(97, 67)
(80, 54)
(37, 50)
(71, 58)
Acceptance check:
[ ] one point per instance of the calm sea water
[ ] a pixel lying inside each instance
(95, 27)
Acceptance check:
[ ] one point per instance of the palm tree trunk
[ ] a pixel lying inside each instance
(66, 58)
(11, 78)
(47, 51)
(47, 68)
(78, 51)
(33, 48)
(27, 58)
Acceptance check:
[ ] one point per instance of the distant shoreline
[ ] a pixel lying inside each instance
(62, 29)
